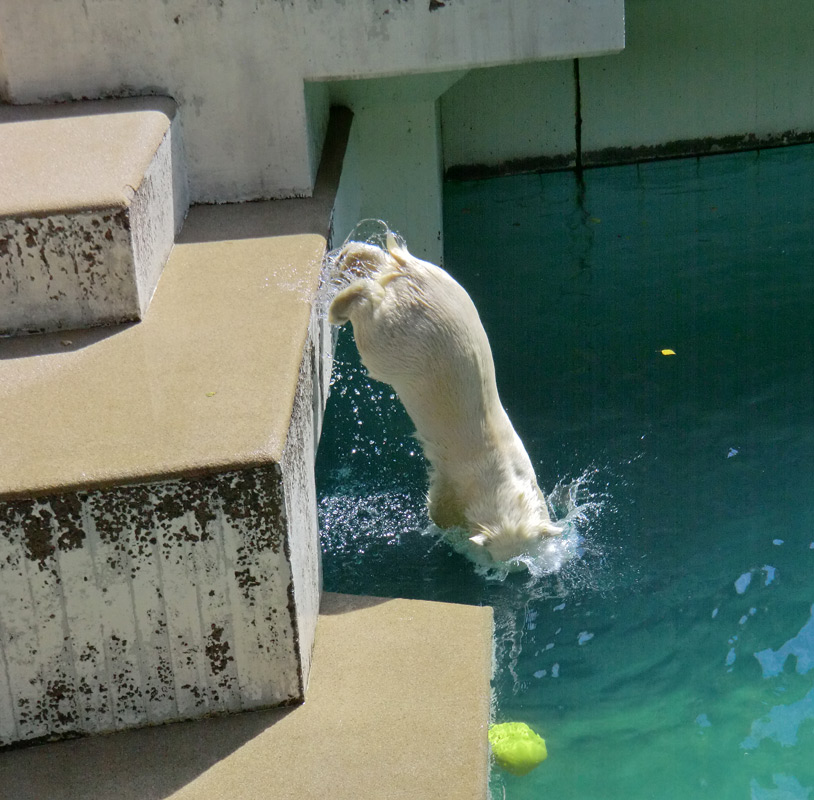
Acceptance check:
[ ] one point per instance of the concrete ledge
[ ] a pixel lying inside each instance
(91, 198)
(206, 381)
(398, 707)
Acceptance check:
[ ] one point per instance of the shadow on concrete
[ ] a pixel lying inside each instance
(263, 218)
(43, 344)
(67, 107)
(332, 604)
(146, 764)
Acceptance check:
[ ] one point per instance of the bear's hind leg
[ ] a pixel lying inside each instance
(350, 300)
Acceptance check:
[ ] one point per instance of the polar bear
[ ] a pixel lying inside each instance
(417, 329)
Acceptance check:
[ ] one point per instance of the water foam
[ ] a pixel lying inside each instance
(575, 505)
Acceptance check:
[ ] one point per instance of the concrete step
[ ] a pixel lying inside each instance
(92, 195)
(398, 707)
(159, 554)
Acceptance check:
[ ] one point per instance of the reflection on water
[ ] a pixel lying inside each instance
(671, 656)
(800, 646)
(782, 723)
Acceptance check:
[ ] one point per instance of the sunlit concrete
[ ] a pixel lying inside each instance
(159, 554)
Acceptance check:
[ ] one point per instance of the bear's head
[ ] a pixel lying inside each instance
(512, 540)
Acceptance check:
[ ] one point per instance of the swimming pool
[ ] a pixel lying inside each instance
(675, 657)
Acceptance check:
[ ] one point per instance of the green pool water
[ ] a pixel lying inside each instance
(674, 657)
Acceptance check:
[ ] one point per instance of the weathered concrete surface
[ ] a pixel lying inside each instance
(66, 271)
(91, 198)
(237, 69)
(159, 553)
(398, 707)
(144, 604)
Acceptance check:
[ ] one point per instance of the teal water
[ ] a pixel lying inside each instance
(674, 658)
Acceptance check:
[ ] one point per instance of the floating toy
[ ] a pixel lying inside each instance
(516, 747)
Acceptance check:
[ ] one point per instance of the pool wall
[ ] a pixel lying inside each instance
(694, 77)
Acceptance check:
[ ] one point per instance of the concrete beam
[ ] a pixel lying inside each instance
(393, 167)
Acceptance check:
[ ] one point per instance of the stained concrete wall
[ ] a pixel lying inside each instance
(236, 69)
(143, 604)
(694, 75)
(507, 115)
(3, 73)
(698, 69)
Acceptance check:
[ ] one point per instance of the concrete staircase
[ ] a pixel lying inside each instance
(159, 554)
(158, 544)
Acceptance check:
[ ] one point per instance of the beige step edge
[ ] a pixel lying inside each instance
(92, 195)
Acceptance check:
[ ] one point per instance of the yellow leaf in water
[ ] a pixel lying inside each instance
(211, 394)
(668, 352)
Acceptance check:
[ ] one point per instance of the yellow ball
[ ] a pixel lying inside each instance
(516, 747)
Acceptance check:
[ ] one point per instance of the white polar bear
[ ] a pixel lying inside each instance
(417, 329)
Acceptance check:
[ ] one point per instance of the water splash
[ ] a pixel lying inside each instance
(585, 560)
(352, 525)
(575, 505)
(381, 538)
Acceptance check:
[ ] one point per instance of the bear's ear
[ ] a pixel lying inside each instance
(550, 529)
(479, 539)
(399, 252)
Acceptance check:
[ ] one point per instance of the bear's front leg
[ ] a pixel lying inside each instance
(443, 504)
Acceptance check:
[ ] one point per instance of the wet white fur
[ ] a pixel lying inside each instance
(417, 329)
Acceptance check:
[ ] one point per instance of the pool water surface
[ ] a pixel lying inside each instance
(653, 331)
